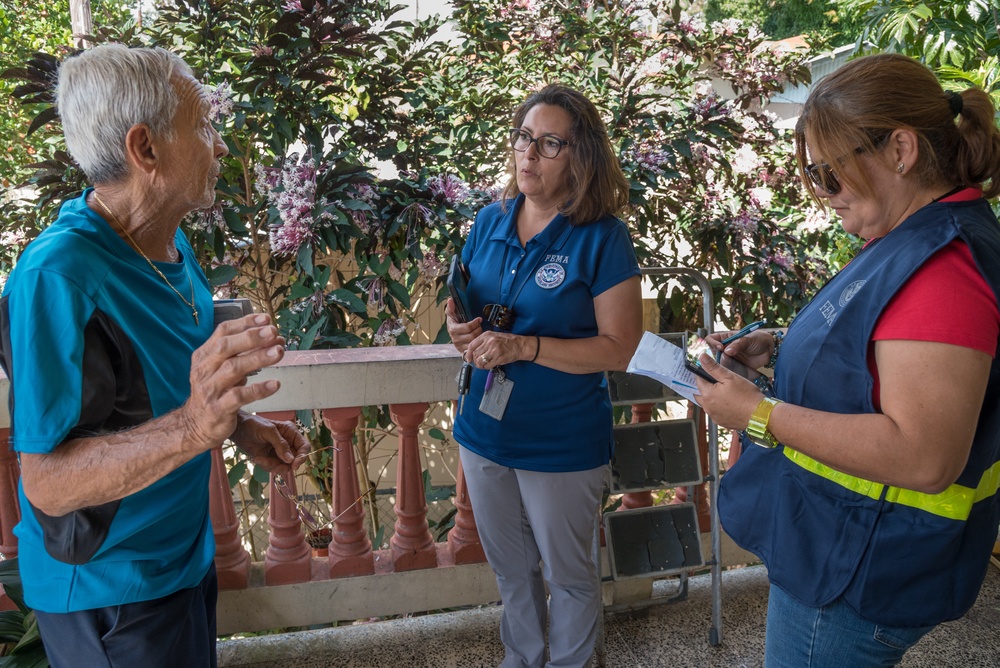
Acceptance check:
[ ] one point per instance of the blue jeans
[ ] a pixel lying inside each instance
(833, 636)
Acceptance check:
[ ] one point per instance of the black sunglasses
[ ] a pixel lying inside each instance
(823, 175)
(499, 316)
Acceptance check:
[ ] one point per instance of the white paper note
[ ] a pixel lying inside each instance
(663, 361)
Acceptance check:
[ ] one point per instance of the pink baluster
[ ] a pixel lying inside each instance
(642, 413)
(231, 560)
(350, 550)
(463, 539)
(10, 510)
(288, 558)
(412, 544)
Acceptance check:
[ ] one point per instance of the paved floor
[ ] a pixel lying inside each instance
(670, 635)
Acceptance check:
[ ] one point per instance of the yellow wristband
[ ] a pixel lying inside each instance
(757, 427)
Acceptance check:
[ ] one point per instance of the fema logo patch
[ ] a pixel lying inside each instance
(849, 292)
(550, 276)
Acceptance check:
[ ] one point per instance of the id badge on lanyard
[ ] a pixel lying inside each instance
(497, 394)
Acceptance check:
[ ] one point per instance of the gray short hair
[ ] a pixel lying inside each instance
(103, 92)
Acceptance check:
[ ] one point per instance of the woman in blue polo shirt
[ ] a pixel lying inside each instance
(554, 274)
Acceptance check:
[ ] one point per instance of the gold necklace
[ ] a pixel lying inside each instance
(114, 219)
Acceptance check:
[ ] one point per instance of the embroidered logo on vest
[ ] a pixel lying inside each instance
(550, 276)
(850, 291)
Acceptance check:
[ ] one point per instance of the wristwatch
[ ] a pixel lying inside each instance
(756, 430)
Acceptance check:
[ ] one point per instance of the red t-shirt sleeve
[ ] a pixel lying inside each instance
(947, 300)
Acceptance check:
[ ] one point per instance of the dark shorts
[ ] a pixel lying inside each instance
(176, 630)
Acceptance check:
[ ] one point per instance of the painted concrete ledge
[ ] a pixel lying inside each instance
(324, 601)
(362, 377)
(345, 378)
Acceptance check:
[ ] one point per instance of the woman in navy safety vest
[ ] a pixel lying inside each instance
(868, 485)
(555, 276)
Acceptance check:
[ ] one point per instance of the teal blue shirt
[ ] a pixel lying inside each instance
(555, 421)
(95, 341)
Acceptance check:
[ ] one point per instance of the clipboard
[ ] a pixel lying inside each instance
(458, 285)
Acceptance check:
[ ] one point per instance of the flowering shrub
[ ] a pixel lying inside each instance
(361, 149)
(713, 185)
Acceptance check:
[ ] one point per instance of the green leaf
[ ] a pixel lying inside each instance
(439, 494)
(261, 475)
(234, 221)
(220, 275)
(235, 474)
(310, 336)
(348, 299)
(45, 116)
(399, 291)
(11, 626)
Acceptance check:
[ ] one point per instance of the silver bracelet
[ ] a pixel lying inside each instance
(778, 337)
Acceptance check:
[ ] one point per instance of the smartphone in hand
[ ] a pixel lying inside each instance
(739, 368)
(698, 371)
(458, 284)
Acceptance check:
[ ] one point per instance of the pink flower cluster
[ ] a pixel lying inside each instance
(648, 157)
(691, 26)
(528, 6)
(210, 219)
(377, 287)
(744, 224)
(709, 106)
(366, 221)
(291, 189)
(221, 101)
(417, 213)
(431, 266)
(13, 238)
(781, 259)
(449, 189)
(387, 332)
(773, 179)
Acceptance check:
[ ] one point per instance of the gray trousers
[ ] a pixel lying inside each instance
(536, 525)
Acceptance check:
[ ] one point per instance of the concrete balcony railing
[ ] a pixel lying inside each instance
(291, 587)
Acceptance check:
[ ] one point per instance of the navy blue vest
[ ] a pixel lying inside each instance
(898, 557)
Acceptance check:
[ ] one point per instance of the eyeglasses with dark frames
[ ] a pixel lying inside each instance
(548, 146)
(824, 176)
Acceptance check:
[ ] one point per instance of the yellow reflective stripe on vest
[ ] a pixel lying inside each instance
(953, 503)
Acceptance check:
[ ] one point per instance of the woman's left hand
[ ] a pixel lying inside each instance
(493, 349)
(731, 400)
